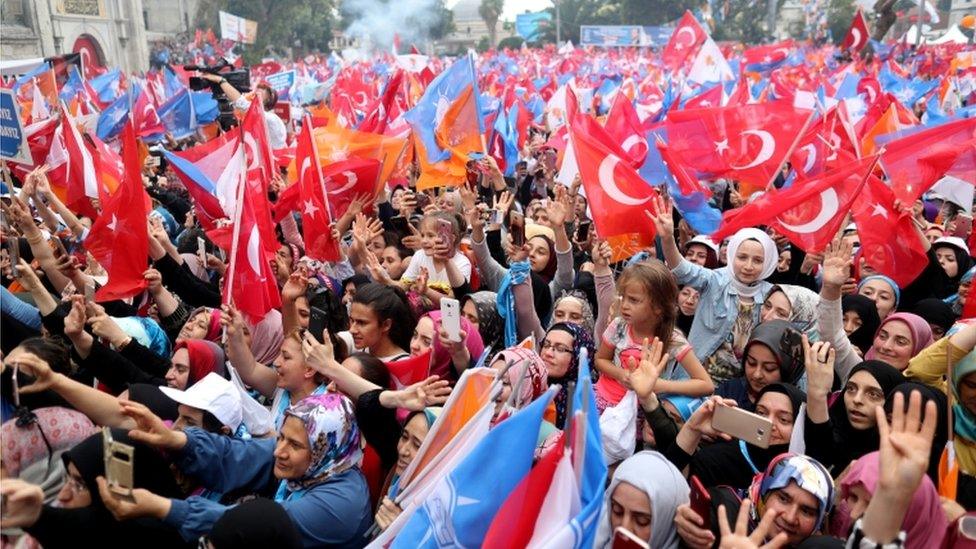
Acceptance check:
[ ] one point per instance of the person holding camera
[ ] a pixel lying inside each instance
(277, 133)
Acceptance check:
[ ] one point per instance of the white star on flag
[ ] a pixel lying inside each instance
(310, 208)
(721, 146)
(111, 224)
(879, 210)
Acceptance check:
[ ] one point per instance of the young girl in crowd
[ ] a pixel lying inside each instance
(647, 293)
(446, 267)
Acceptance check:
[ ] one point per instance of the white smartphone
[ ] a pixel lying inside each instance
(451, 318)
(202, 251)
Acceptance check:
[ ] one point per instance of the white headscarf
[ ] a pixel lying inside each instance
(666, 489)
(770, 258)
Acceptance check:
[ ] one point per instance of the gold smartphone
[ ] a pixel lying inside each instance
(743, 425)
(119, 461)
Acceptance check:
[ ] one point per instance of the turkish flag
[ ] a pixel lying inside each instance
(316, 222)
(748, 143)
(260, 169)
(387, 108)
(618, 196)
(915, 162)
(624, 126)
(711, 97)
(809, 214)
(687, 37)
(118, 238)
(820, 147)
(889, 241)
(857, 35)
(40, 136)
(145, 117)
(81, 178)
(250, 283)
(410, 370)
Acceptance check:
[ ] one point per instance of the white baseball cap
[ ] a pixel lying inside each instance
(704, 241)
(953, 241)
(213, 394)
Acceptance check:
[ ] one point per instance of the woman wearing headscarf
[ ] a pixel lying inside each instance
(450, 358)
(861, 321)
(958, 300)
(937, 313)
(957, 468)
(730, 297)
(796, 486)
(952, 253)
(835, 434)
(899, 337)
(561, 353)
(202, 323)
(924, 524)
(312, 471)
(267, 337)
(254, 524)
(795, 304)
(480, 308)
(735, 462)
(643, 495)
(81, 517)
(883, 291)
(764, 362)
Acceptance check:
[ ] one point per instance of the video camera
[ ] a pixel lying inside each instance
(239, 78)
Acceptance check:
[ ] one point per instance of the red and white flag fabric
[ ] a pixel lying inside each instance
(687, 37)
(748, 143)
(81, 176)
(858, 35)
(250, 283)
(618, 196)
(316, 221)
(809, 214)
(889, 241)
(820, 148)
(915, 162)
(625, 127)
(145, 117)
(118, 238)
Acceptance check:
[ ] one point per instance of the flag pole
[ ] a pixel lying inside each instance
(235, 242)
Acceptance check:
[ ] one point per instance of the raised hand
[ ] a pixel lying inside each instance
(144, 503)
(419, 285)
(27, 277)
(561, 209)
(837, 263)
(74, 323)
(690, 528)
(232, 323)
(40, 370)
(412, 241)
(662, 216)
(150, 429)
(155, 280)
(295, 286)
(319, 356)
(376, 271)
(106, 328)
(643, 376)
(601, 253)
(905, 444)
(741, 538)
(701, 420)
(504, 202)
(23, 503)
(818, 359)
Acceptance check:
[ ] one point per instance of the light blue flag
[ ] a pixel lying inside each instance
(460, 508)
(425, 117)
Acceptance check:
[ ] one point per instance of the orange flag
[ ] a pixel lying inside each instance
(886, 124)
(335, 144)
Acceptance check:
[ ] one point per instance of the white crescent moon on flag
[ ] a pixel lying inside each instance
(690, 33)
(811, 157)
(251, 150)
(869, 90)
(605, 175)
(630, 142)
(351, 180)
(828, 208)
(834, 145)
(856, 32)
(306, 164)
(765, 152)
(254, 250)
(362, 103)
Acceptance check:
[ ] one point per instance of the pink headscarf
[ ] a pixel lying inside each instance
(918, 326)
(267, 337)
(441, 359)
(536, 379)
(924, 524)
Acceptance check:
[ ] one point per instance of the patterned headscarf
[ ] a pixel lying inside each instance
(803, 305)
(333, 438)
(490, 323)
(805, 471)
(536, 380)
(588, 322)
(581, 340)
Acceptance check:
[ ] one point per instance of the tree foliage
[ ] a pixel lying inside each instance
(490, 11)
(839, 18)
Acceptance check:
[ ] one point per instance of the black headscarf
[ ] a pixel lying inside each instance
(770, 334)
(937, 312)
(541, 297)
(863, 337)
(963, 262)
(724, 463)
(149, 470)
(941, 426)
(255, 524)
(853, 443)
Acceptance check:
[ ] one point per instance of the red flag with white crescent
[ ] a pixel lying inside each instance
(857, 35)
(316, 222)
(687, 37)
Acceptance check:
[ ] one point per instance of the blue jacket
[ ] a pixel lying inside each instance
(335, 513)
(718, 305)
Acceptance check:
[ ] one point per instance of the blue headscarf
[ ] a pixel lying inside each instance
(147, 333)
(966, 279)
(894, 286)
(518, 272)
(685, 405)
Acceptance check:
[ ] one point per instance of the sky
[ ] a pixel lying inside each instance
(513, 7)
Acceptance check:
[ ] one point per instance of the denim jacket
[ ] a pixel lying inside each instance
(718, 305)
